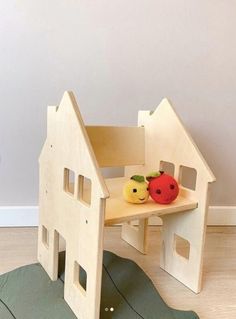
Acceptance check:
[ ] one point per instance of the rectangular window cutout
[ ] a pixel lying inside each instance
(85, 190)
(80, 277)
(69, 181)
(182, 246)
(45, 236)
(167, 167)
(188, 177)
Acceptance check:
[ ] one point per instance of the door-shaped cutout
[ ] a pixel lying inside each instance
(134, 224)
(69, 181)
(61, 250)
(80, 277)
(182, 246)
(167, 167)
(45, 236)
(188, 177)
(85, 190)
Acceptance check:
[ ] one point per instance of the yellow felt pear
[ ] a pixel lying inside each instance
(135, 190)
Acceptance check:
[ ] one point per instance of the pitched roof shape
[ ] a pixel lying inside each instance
(65, 126)
(165, 120)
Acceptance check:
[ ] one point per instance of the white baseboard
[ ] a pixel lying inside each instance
(222, 216)
(26, 216)
(18, 216)
(217, 216)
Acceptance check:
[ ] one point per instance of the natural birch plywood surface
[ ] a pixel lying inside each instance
(67, 153)
(117, 146)
(118, 210)
(167, 140)
(18, 246)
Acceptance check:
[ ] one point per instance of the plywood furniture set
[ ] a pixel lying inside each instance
(76, 201)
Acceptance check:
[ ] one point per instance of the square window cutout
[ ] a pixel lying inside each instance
(182, 246)
(188, 177)
(69, 181)
(167, 167)
(85, 189)
(80, 277)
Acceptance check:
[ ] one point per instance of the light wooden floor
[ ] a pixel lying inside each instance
(217, 299)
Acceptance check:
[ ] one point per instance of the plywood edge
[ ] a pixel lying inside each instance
(104, 190)
(168, 209)
(69, 99)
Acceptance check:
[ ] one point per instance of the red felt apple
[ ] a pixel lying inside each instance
(163, 188)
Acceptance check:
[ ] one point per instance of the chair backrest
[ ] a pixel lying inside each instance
(117, 146)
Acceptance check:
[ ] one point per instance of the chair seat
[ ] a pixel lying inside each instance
(119, 211)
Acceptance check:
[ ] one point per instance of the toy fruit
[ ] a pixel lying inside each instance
(163, 188)
(136, 190)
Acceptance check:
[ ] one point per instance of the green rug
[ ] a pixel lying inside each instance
(127, 293)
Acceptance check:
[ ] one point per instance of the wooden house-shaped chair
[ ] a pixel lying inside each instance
(76, 201)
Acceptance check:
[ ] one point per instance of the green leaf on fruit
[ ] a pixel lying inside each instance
(153, 175)
(138, 178)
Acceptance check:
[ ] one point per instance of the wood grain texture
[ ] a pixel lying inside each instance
(18, 247)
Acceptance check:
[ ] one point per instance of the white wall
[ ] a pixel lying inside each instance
(118, 56)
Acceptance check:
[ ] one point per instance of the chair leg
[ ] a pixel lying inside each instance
(84, 301)
(136, 236)
(48, 252)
